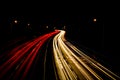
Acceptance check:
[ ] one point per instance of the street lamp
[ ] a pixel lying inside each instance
(11, 25)
(94, 20)
(28, 24)
(15, 21)
(46, 26)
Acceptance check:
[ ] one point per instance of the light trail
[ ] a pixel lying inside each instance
(72, 64)
(69, 62)
(28, 50)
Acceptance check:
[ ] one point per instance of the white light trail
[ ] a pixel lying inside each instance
(73, 64)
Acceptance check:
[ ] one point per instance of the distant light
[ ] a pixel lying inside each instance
(54, 27)
(46, 26)
(28, 24)
(94, 20)
(16, 21)
(64, 27)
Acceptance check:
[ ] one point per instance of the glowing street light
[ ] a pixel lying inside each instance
(16, 21)
(46, 26)
(94, 20)
(28, 24)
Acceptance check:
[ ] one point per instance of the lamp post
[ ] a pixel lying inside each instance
(11, 24)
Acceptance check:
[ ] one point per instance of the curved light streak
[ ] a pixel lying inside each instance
(73, 64)
(21, 58)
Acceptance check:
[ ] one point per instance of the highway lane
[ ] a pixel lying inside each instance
(45, 58)
(43, 67)
(72, 64)
(20, 59)
(49, 72)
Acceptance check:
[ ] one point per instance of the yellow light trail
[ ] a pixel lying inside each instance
(70, 64)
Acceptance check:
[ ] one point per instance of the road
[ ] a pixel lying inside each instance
(72, 64)
(17, 63)
(51, 56)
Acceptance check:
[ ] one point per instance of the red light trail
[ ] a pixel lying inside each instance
(18, 54)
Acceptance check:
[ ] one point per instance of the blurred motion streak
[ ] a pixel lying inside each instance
(21, 58)
(69, 62)
(72, 64)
